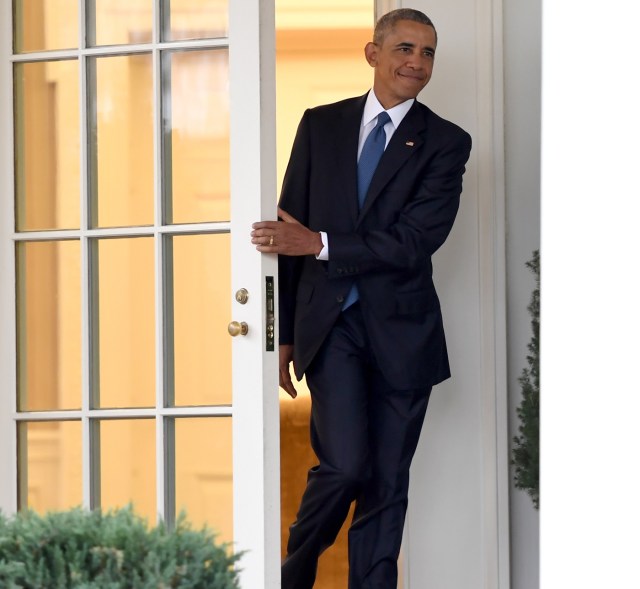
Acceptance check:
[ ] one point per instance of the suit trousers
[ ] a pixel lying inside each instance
(364, 433)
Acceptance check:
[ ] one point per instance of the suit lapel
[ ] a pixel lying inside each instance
(346, 136)
(406, 141)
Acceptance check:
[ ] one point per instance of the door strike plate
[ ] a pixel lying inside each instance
(270, 316)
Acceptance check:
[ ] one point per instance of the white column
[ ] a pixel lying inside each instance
(459, 496)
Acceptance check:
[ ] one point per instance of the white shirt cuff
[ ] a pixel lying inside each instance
(324, 253)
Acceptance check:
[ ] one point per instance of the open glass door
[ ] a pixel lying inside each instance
(138, 146)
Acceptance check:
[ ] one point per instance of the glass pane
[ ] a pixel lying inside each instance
(47, 145)
(127, 465)
(201, 313)
(123, 141)
(118, 22)
(49, 337)
(197, 140)
(45, 24)
(204, 481)
(126, 322)
(196, 19)
(50, 465)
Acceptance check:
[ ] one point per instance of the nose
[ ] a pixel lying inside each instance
(414, 61)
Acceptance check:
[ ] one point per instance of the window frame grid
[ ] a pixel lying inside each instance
(87, 235)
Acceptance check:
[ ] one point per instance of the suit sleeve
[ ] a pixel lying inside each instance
(421, 226)
(294, 199)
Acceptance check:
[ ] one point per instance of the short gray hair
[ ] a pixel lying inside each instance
(387, 21)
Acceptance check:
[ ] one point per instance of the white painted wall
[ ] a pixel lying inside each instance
(450, 535)
(522, 57)
(458, 535)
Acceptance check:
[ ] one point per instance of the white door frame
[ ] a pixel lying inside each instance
(8, 492)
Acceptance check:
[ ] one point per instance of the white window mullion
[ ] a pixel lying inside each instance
(168, 450)
(113, 50)
(90, 322)
(161, 475)
(162, 506)
(164, 466)
(134, 231)
(125, 413)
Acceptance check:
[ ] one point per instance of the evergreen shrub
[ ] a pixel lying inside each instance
(78, 549)
(526, 448)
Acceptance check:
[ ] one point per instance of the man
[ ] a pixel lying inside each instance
(371, 192)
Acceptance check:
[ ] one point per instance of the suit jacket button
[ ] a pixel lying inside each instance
(339, 270)
(340, 299)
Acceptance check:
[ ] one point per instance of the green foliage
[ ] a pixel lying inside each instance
(526, 450)
(90, 550)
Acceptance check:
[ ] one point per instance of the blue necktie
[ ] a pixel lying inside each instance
(370, 155)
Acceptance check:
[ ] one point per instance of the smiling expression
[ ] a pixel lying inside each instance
(403, 63)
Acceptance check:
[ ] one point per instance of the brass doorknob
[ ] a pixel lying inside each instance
(242, 296)
(238, 328)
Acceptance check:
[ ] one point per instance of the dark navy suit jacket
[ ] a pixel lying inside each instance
(385, 248)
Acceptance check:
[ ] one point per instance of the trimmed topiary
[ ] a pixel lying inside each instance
(80, 549)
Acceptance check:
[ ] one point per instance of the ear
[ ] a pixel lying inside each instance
(371, 53)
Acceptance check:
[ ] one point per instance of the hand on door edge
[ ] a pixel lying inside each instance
(286, 357)
(288, 237)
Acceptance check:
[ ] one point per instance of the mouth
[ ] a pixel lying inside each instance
(412, 77)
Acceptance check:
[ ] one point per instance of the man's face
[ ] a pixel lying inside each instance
(403, 63)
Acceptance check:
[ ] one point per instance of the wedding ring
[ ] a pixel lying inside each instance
(271, 240)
